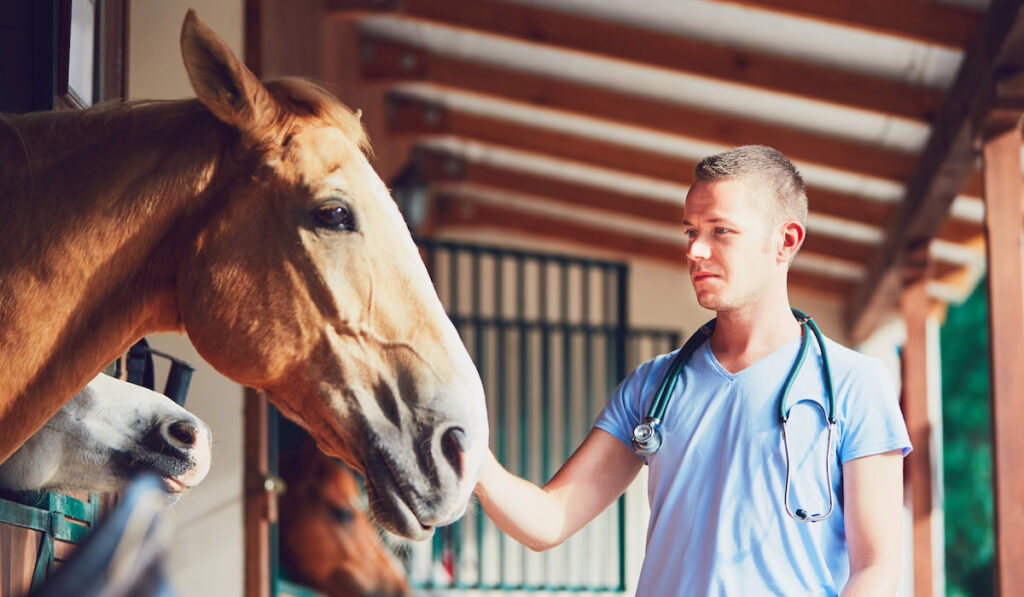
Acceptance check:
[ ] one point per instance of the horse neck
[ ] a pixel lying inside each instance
(89, 201)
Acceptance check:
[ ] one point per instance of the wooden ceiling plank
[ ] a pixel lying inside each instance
(963, 232)
(946, 162)
(919, 20)
(441, 166)
(412, 116)
(828, 286)
(392, 61)
(681, 55)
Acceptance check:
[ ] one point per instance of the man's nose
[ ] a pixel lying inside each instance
(697, 249)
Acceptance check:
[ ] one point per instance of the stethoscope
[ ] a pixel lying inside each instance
(647, 436)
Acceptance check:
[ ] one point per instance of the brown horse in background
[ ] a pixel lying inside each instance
(251, 220)
(327, 540)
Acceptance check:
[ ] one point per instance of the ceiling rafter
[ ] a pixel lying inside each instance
(650, 48)
(387, 60)
(413, 116)
(948, 158)
(920, 20)
(443, 166)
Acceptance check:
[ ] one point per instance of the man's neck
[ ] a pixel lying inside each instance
(744, 336)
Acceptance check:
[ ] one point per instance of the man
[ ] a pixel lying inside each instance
(719, 523)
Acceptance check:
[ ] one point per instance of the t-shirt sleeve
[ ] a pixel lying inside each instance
(627, 405)
(871, 421)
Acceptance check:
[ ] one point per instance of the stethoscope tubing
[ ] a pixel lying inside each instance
(647, 435)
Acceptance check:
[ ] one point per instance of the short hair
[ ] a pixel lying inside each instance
(765, 171)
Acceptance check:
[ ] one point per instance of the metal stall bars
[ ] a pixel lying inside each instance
(549, 335)
(38, 529)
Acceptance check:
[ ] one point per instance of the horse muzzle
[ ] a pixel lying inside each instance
(412, 490)
(178, 450)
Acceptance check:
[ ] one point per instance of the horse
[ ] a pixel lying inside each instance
(327, 540)
(105, 436)
(250, 219)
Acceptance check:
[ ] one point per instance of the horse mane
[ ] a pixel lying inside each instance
(303, 96)
(298, 97)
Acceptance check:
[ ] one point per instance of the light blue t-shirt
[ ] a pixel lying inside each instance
(718, 523)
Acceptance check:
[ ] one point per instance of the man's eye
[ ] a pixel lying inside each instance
(690, 233)
(721, 230)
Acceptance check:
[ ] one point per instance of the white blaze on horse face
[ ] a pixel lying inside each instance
(106, 434)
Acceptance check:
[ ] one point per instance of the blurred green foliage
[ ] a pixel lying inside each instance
(967, 452)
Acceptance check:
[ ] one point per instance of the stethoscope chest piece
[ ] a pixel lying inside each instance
(647, 437)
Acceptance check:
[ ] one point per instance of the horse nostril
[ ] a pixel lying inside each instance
(453, 444)
(183, 432)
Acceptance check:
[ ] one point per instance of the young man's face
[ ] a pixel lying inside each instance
(732, 248)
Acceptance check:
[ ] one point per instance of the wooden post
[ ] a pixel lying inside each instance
(258, 501)
(915, 305)
(1004, 191)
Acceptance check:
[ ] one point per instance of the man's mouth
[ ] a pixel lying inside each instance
(699, 276)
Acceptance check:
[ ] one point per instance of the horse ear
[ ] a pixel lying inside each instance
(220, 80)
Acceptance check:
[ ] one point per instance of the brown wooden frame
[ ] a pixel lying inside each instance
(1004, 222)
(946, 162)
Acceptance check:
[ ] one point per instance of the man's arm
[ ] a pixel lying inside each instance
(873, 507)
(543, 517)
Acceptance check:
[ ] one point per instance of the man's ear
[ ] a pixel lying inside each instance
(793, 234)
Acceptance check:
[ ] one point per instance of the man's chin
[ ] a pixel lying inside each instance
(712, 303)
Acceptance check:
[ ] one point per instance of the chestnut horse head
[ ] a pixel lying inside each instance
(251, 220)
(327, 540)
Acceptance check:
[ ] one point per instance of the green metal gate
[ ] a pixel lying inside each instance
(549, 335)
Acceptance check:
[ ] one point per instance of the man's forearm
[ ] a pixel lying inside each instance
(526, 512)
(541, 518)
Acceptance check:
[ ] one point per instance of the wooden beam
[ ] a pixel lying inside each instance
(384, 60)
(257, 501)
(946, 162)
(962, 232)
(412, 116)
(441, 166)
(1004, 215)
(606, 39)
(455, 212)
(915, 307)
(919, 20)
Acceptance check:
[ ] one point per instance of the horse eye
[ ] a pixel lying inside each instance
(341, 514)
(338, 217)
